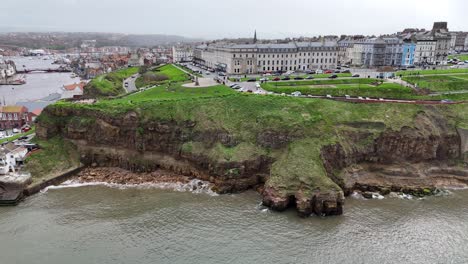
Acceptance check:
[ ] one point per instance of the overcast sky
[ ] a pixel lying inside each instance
(231, 18)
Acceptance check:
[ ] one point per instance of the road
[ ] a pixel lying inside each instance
(131, 83)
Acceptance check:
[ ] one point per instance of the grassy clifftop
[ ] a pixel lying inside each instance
(110, 84)
(235, 128)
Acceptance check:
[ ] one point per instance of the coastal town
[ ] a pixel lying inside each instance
(90, 71)
(203, 131)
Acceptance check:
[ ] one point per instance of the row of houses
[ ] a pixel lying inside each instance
(407, 48)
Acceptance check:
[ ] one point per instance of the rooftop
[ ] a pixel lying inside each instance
(13, 109)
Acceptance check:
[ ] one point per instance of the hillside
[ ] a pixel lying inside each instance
(300, 152)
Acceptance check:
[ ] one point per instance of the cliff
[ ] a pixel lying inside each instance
(300, 153)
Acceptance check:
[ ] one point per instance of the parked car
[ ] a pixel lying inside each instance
(356, 75)
(328, 71)
(252, 80)
(296, 93)
(15, 130)
(318, 71)
(286, 78)
(298, 78)
(346, 71)
(232, 85)
(276, 79)
(237, 87)
(207, 73)
(264, 79)
(333, 76)
(446, 101)
(221, 74)
(328, 96)
(310, 77)
(337, 71)
(25, 129)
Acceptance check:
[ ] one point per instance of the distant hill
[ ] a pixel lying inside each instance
(64, 40)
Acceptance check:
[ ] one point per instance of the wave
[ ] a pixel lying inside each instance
(193, 186)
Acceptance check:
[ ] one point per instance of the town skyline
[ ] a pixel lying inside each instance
(367, 17)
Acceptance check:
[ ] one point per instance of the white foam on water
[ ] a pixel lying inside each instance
(377, 196)
(357, 195)
(194, 186)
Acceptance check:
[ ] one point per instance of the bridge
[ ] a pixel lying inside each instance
(24, 71)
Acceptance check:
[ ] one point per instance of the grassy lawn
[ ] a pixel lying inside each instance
(337, 87)
(55, 156)
(430, 72)
(33, 129)
(109, 84)
(441, 83)
(175, 92)
(171, 73)
(463, 57)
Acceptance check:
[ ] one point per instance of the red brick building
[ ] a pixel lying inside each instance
(13, 116)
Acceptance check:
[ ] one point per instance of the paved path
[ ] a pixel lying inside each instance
(131, 83)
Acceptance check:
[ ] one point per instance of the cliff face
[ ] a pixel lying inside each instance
(127, 142)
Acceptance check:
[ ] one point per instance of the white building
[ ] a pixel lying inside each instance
(262, 58)
(182, 54)
(11, 157)
(425, 50)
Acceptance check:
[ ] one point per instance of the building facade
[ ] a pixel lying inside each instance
(182, 54)
(264, 58)
(393, 51)
(368, 53)
(425, 50)
(408, 52)
(13, 116)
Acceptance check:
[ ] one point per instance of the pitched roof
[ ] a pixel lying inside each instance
(37, 112)
(72, 87)
(13, 109)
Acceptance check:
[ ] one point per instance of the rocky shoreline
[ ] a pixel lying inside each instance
(120, 176)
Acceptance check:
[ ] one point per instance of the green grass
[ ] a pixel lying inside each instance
(33, 129)
(172, 73)
(337, 87)
(55, 156)
(430, 72)
(440, 83)
(460, 57)
(174, 91)
(110, 84)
